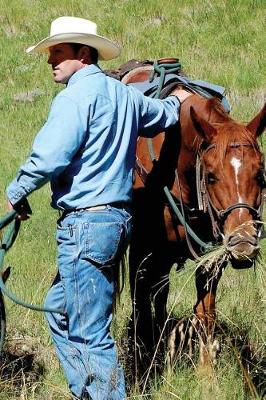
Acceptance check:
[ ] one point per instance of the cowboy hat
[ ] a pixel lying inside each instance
(77, 30)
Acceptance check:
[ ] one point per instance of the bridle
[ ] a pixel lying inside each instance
(205, 203)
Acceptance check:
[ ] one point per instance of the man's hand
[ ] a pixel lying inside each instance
(22, 208)
(9, 206)
(181, 94)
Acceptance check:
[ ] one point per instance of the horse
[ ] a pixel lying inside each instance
(212, 168)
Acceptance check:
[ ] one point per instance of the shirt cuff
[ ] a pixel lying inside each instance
(15, 192)
(177, 99)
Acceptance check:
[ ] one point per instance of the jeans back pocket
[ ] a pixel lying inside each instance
(103, 241)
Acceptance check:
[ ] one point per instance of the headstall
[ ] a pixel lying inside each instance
(204, 200)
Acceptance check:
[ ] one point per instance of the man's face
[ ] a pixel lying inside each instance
(64, 62)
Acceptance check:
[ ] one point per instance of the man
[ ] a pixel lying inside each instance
(86, 149)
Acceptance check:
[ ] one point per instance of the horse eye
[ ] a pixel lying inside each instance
(211, 178)
(261, 178)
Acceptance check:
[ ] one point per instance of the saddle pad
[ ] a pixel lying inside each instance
(205, 89)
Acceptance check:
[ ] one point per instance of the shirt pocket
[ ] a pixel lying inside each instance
(103, 241)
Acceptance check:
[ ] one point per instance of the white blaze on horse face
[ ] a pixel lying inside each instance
(236, 164)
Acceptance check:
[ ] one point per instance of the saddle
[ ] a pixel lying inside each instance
(124, 69)
(172, 76)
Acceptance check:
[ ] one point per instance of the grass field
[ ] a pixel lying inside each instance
(222, 41)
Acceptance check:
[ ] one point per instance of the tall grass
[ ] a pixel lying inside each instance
(222, 41)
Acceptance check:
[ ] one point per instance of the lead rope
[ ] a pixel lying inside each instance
(6, 243)
(162, 69)
(204, 246)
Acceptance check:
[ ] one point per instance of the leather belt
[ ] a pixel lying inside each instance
(63, 213)
(93, 208)
(119, 204)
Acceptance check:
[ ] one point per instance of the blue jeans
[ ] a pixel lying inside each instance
(89, 243)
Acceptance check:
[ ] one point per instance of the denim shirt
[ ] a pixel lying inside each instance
(86, 149)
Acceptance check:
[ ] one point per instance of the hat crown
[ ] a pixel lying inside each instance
(72, 25)
(77, 30)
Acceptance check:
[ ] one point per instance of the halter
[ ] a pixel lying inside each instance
(204, 200)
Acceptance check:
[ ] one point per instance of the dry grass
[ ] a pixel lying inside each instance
(221, 41)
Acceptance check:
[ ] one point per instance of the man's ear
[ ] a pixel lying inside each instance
(84, 55)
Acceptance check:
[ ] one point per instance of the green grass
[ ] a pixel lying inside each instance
(222, 41)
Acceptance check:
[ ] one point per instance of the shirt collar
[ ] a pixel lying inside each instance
(81, 73)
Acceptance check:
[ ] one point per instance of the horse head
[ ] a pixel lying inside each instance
(232, 181)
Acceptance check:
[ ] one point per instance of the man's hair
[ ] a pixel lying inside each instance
(93, 52)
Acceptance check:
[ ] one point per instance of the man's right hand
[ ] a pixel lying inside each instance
(22, 208)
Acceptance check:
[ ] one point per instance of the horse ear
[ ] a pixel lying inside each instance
(204, 128)
(257, 125)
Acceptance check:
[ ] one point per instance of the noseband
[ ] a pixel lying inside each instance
(205, 202)
(222, 214)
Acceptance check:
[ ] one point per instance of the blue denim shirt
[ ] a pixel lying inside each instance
(86, 149)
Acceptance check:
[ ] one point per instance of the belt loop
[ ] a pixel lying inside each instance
(70, 230)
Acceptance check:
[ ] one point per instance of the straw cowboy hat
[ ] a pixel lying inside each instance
(77, 30)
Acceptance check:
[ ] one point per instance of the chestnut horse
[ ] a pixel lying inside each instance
(221, 200)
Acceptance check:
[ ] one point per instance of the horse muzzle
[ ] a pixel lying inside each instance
(242, 250)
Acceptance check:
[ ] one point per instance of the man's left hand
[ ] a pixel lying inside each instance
(181, 94)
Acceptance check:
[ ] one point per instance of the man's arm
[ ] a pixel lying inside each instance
(158, 115)
(53, 148)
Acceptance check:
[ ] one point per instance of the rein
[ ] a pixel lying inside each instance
(162, 69)
(172, 202)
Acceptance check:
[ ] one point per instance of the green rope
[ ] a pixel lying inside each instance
(2, 322)
(6, 243)
(9, 217)
(161, 70)
(205, 247)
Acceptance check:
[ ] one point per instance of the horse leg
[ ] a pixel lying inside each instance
(149, 291)
(204, 309)
(160, 291)
(141, 332)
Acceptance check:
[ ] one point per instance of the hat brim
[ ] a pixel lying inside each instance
(107, 50)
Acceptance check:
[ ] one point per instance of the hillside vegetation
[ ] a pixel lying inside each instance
(222, 41)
